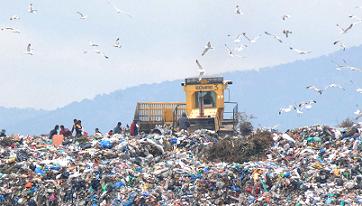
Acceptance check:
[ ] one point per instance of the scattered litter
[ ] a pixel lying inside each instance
(316, 165)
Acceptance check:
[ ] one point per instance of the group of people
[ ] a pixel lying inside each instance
(78, 130)
(61, 130)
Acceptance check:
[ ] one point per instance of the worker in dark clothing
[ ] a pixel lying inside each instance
(78, 129)
(54, 131)
(134, 128)
(183, 122)
(3, 133)
(118, 128)
(110, 133)
(65, 131)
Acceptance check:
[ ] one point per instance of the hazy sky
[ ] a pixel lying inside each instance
(160, 42)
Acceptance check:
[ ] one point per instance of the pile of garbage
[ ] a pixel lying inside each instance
(240, 150)
(316, 165)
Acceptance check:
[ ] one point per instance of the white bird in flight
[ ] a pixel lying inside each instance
(285, 17)
(346, 66)
(355, 18)
(314, 88)
(200, 69)
(241, 47)
(29, 50)
(301, 52)
(251, 40)
(286, 32)
(237, 10)
(31, 10)
(286, 109)
(207, 48)
(358, 114)
(341, 44)
(274, 36)
(93, 44)
(359, 90)
(333, 85)
(117, 44)
(82, 16)
(11, 29)
(230, 52)
(345, 30)
(14, 17)
(238, 38)
(119, 11)
(306, 104)
(101, 53)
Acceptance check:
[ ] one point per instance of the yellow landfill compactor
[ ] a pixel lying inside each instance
(204, 107)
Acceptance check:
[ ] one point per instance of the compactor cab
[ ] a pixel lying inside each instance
(204, 106)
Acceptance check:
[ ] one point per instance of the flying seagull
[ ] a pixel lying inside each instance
(101, 53)
(286, 32)
(237, 10)
(230, 52)
(345, 30)
(359, 90)
(306, 104)
(29, 50)
(82, 16)
(358, 19)
(119, 11)
(207, 48)
(314, 88)
(238, 38)
(241, 47)
(285, 17)
(201, 70)
(298, 111)
(251, 40)
(11, 29)
(358, 114)
(341, 44)
(93, 44)
(333, 85)
(286, 109)
(300, 51)
(117, 44)
(14, 17)
(30, 9)
(274, 36)
(346, 66)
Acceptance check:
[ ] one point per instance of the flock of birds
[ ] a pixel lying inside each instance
(82, 16)
(300, 107)
(234, 52)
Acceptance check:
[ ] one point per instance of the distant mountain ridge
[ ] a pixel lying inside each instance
(260, 93)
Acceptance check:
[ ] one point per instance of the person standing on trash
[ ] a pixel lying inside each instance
(183, 122)
(134, 128)
(53, 131)
(3, 133)
(78, 129)
(97, 133)
(74, 123)
(110, 133)
(65, 131)
(118, 128)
